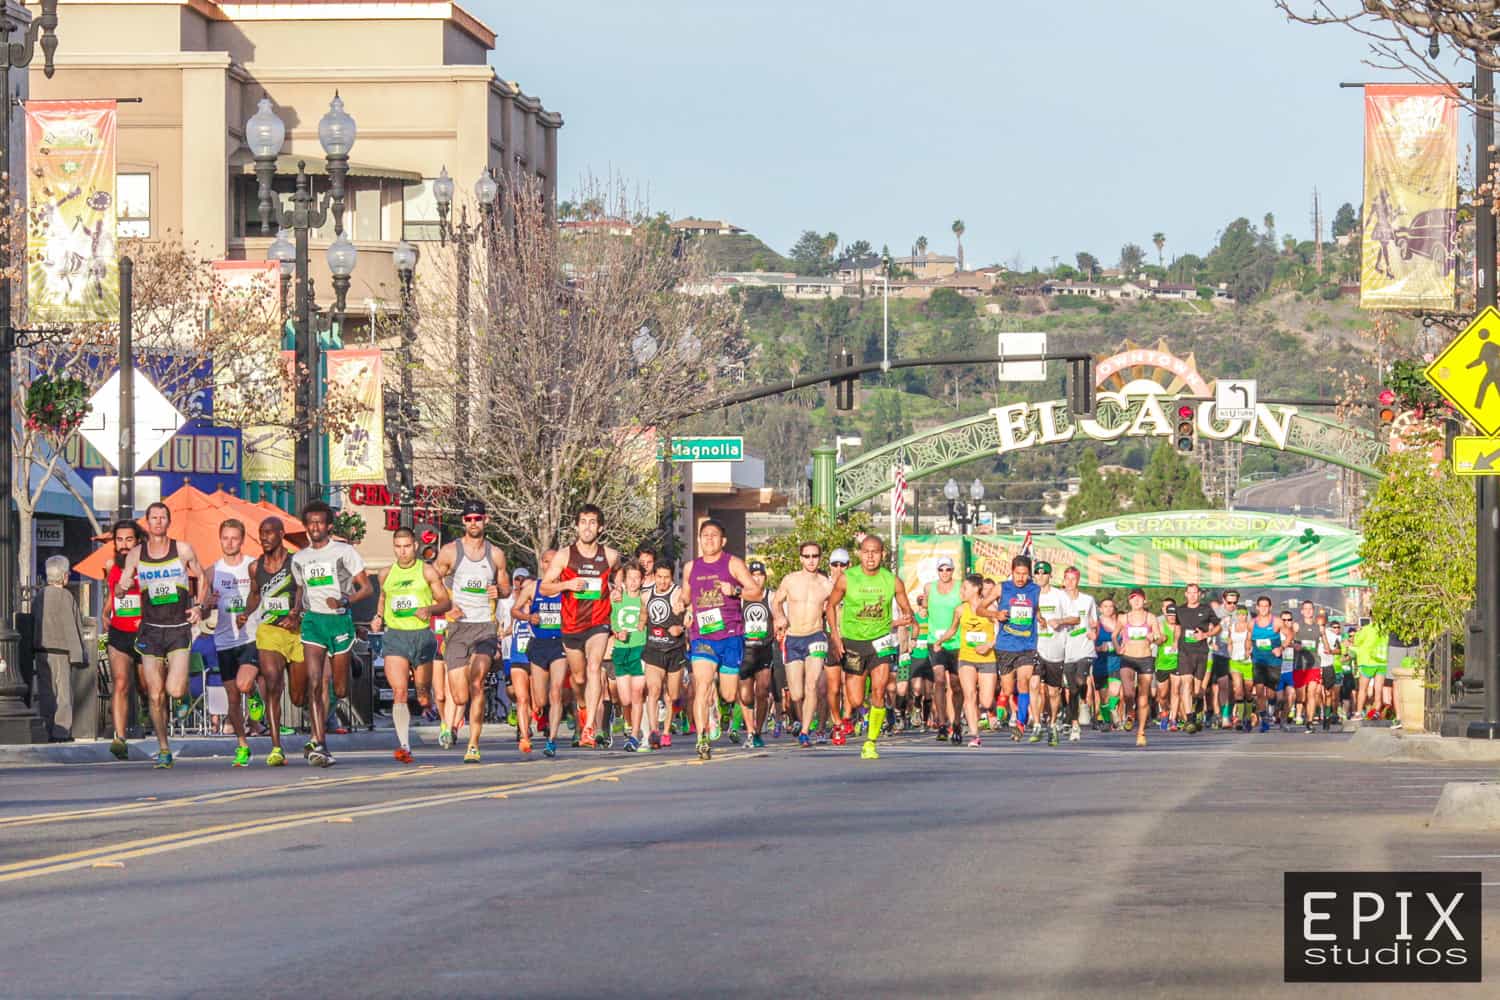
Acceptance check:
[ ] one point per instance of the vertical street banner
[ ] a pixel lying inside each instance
(73, 273)
(356, 453)
(252, 375)
(1409, 239)
(270, 449)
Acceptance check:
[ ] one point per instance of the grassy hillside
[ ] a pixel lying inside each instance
(739, 253)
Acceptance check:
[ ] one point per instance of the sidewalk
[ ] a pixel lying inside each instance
(1371, 743)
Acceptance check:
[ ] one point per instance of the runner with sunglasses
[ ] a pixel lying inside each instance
(797, 609)
(938, 600)
(476, 576)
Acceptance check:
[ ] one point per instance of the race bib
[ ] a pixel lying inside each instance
(1138, 631)
(404, 606)
(1079, 630)
(319, 575)
(976, 638)
(756, 633)
(549, 619)
(1190, 637)
(1106, 647)
(1262, 643)
(235, 605)
(128, 606)
(919, 644)
(1020, 613)
(884, 643)
(163, 593)
(522, 642)
(440, 625)
(817, 650)
(1309, 644)
(475, 585)
(276, 605)
(629, 620)
(591, 589)
(710, 621)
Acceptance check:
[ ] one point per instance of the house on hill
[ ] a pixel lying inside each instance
(705, 227)
(927, 265)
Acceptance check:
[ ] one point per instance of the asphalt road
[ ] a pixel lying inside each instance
(1093, 869)
(1312, 492)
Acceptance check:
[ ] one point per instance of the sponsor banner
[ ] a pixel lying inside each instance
(1410, 236)
(358, 454)
(72, 269)
(919, 557)
(269, 448)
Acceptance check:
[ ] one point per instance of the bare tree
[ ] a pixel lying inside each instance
(574, 345)
(1412, 35)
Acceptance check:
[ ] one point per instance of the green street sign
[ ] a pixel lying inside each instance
(706, 449)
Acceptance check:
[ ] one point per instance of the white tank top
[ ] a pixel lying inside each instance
(1239, 645)
(470, 584)
(232, 585)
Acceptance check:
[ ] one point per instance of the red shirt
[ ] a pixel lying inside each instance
(124, 612)
(589, 609)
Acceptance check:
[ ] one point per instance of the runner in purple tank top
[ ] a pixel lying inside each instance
(713, 586)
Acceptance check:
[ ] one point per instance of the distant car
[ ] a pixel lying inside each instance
(1432, 234)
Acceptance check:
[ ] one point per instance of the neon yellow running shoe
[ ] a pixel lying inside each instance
(868, 751)
(276, 758)
(241, 756)
(471, 755)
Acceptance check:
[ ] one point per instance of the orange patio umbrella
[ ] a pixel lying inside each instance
(196, 517)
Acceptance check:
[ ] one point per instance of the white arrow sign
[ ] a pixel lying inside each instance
(1234, 399)
(156, 420)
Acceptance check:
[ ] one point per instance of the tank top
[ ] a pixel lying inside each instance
(470, 584)
(549, 611)
(757, 623)
(1239, 644)
(277, 590)
(920, 638)
(626, 616)
(589, 608)
(232, 585)
(660, 617)
(940, 608)
(866, 606)
(1104, 645)
(974, 630)
(1329, 658)
(164, 582)
(714, 615)
(406, 590)
(124, 612)
(520, 640)
(1264, 639)
(1308, 636)
(1166, 653)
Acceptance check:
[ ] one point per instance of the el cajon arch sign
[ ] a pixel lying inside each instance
(1139, 391)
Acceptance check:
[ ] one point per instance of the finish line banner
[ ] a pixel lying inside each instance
(1213, 548)
(1410, 218)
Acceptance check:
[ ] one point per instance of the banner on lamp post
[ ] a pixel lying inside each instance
(357, 453)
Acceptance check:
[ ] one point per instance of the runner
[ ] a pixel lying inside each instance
(862, 637)
(580, 574)
(1137, 661)
(755, 670)
(797, 608)
(1106, 673)
(411, 595)
(545, 655)
(1199, 625)
(1170, 682)
(1307, 673)
(1265, 659)
(1078, 652)
(1371, 656)
(628, 620)
(1239, 638)
(1053, 620)
(975, 630)
(1330, 655)
(1219, 671)
(1015, 642)
(274, 598)
(940, 599)
(916, 710)
(665, 655)
(163, 565)
(332, 577)
(838, 725)
(1291, 704)
(234, 640)
(714, 586)
(517, 665)
(124, 622)
(477, 575)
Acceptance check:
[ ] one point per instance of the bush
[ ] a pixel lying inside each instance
(946, 303)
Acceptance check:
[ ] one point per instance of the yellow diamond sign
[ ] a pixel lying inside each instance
(1468, 371)
(1476, 456)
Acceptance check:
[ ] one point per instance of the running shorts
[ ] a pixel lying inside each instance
(162, 640)
(778, 674)
(986, 666)
(1008, 661)
(726, 654)
(1302, 678)
(756, 659)
(947, 659)
(543, 651)
(417, 646)
(861, 656)
(1052, 673)
(1372, 669)
(1241, 668)
(1218, 666)
(123, 642)
(286, 643)
(1266, 673)
(806, 647)
(231, 659)
(671, 659)
(576, 641)
(1101, 669)
(1076, 672)
(331, 631)
(1192, 660)
(627, 661)
(1165, 676)
(1329, 678)
(921, 668)
(466, 639)
(1346, 685)
(1140, 664)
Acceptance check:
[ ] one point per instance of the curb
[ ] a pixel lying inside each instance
(1468, 805)
(1398, 745)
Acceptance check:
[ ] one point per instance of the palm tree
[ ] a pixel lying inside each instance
(958, 232)
(1160, 239)
(921, 246)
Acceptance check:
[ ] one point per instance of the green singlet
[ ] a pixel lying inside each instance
(1166, 653)
(867, 603)
(940, 608)
(625, 616)
(406, 590)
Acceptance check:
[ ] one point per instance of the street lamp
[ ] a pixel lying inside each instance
(18, 721)
(283, 250)
(885, 315)
(264, 134)
(463, 236)
(965, 512)
(405, 258)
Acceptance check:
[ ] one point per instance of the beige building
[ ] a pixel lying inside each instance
(414, 74)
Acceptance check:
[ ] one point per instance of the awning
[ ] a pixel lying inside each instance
(286, 165)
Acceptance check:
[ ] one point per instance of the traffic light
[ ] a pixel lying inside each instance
(1387, 406)
(429, 540)
(843, 389)
(1186, 426)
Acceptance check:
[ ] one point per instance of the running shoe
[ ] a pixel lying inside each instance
(643, 747)
(241, 756)
(1172, 726)
(320, 757)
(705, 750)
(777, 730)
(119, 748)
(631, 744)
(1140, 739)
(735, 736)
(1076, 734)
(276, 758)
(1052, 736)
(804, 741)
(402, 755)
(510, 717)
(975, 742)
(1163, 723)
(1036, 734)
(1310, 729)
(445, 737)
(956, 735)
(1191, 727)
(603, 741)
(666, 740)
(549, 749)
(307, 748)
(163, 759)
(715, 729)
(838, 737)
(1265, 724)
(471, 755)
(942, 736)
(756, 743)
(585, 738)
(653, 740)
(524, 744)
(849, 727)
(868, 752)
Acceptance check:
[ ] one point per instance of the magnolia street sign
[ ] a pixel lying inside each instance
(706, 449)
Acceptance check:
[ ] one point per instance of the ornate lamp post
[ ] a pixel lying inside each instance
(18, 722)
(405, 258)
(264, 134)
(965, 512)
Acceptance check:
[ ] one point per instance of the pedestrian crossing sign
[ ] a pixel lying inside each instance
(1476, 456)
(1468, 371)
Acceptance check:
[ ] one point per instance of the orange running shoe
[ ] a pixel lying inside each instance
(403, 755)
(587, 739)
(525, 744)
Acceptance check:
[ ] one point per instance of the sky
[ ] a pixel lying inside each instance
(1049, 128)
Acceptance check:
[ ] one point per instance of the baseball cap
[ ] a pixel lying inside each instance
(945, 563)
(756, 566)
(521, 573)
(472, 507)
(839, 556)
(1043, 566)
(1171, 608)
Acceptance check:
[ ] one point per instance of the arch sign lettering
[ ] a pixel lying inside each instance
(1139, 391)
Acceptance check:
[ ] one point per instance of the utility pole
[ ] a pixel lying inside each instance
(1317, 221)
(125, 509)
(1487, 520)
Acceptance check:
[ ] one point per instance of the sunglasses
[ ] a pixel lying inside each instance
(840, 565)
(945, 569)
(469, 518)
(812, 555)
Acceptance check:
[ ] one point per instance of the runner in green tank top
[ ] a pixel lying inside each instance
(627, 621)
(411, 594)
(861, 634)
(946, 697)
(1166, 669)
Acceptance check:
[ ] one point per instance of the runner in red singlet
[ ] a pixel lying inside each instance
(581, 574)
(124, 623)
